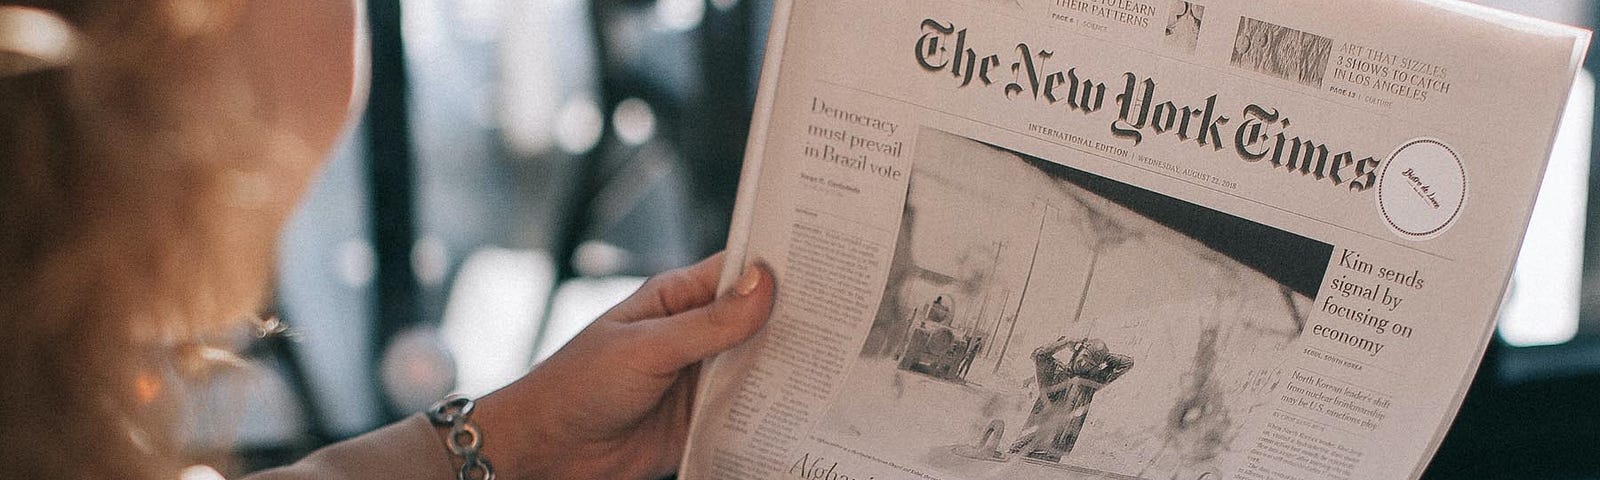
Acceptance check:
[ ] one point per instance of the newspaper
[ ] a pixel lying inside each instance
(1126, 239)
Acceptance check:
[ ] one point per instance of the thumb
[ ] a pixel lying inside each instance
(674, 342)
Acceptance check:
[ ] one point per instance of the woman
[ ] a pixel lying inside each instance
(150, 151)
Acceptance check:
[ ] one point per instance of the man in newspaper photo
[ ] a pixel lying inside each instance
(1065, 390)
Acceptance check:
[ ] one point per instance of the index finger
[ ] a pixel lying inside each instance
(671, 292)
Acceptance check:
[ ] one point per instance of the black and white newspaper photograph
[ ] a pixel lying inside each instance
(1183, 22)
(1043, 322)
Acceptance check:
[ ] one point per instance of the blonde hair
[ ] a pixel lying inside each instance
(140, 196)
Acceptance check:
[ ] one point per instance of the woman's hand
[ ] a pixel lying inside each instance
(614, 402)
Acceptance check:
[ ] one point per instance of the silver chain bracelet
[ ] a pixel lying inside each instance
(464, 439)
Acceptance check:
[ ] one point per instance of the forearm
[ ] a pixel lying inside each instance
(407, 449)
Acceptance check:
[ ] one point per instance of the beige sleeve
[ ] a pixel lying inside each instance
(408, 449)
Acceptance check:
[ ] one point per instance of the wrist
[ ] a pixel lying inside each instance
(516, 438)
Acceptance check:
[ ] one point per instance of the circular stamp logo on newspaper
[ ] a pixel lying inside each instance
(1421, 189)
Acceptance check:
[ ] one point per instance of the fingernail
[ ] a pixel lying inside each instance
(748, 281)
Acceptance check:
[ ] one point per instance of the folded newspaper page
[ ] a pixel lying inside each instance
(1126, 239)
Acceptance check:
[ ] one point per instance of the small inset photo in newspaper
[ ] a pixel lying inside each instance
(1281, 51)
(1039, 321)
(1184, 19)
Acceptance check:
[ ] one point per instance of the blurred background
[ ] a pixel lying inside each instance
(524, 164)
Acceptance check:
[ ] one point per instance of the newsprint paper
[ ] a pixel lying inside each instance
(1126, 239)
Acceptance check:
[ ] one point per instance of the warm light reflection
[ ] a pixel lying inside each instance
(417, 369)
(146, 387)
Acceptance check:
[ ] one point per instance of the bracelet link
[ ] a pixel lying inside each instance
(475, 466)
(448, 411)
(473, 443)
(463, 439)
